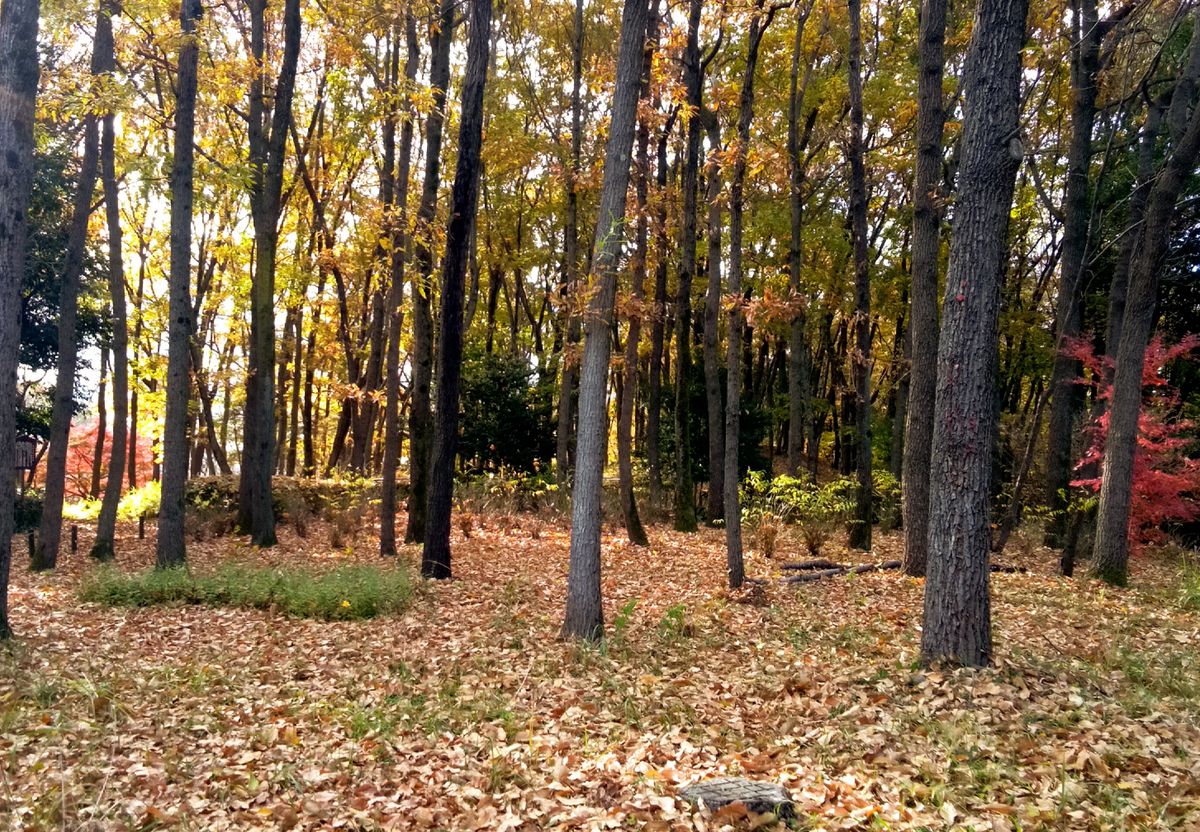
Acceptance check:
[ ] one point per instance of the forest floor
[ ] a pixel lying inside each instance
(467, 713)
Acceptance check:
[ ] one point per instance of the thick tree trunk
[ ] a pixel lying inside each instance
(584, 613)
(399, 245)
(712, 311)
(435, 558)
(18, 85)
(45, 556)
(420, 416)
(268, 145)
(957, 621)
(570, 371)
(923, 314)
(693, 80)
(102, 545)
(1111, 552)
(170, 548)
(860, 528)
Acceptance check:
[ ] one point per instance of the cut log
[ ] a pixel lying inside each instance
(756, 796)
(819, 563)
(842, 570)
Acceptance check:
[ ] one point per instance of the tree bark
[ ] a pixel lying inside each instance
(658, 328)
(1111, 552)
(102, 544)
(860, 528)
(712, 311)
(101, 426)
(420, 416)
(435, 558)
(170, 548)
(399, 245)
(693, 80)
(923, 313)
(570, 370)
(584, 611)
(268, 144)
(957, 620)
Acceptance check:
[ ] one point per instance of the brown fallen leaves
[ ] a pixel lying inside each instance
(465, 713)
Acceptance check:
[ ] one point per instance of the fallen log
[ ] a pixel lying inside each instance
(1001, 567)
(819, 563)
(842, 570)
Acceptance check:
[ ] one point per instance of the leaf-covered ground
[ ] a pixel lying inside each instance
(466, 713)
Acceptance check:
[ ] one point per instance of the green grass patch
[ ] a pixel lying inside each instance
(342, 594)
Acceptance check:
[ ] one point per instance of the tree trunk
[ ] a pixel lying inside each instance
(735, 568)
(658, 327)
(570, 370)
(268, 146)
(420, 416)
(1111, 551)
(957, 623)
(435, 558)
(1066, 395)
(101, 426)
(712, 311)
(923, 315)
(399, 245)
(693, 80)
(170, 549)
(860, 528)
(799, 361)
(102, 545)
(584, 611)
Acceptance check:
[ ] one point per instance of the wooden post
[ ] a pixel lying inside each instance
(74, 538)
(29, 536)
(142, 527)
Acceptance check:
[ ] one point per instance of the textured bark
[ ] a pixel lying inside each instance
(102, 544)
(693, 78)
(169, 544)
(658, 327)
(923, 314)
(1111, 552)
(18, 89)
(735, 567)
(45, 555)
(420, 415)
(957, 621)
(464, 198)
(584, 617)
(1066, 396)
(101, 426)
(391, 415)
(268, 143)
(712, 311)
(860, 528)
(799, 359)
(570, 371)
(629, 510)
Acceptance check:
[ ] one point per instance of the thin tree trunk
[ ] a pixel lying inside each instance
(570, 370)
(584, 611)
(658, 327)
(170, 548)
(860, 529)
(712, 312)
(101, 426)
(399, 247)
(957, 621)
(693, 80)
(420, 416)
(923, 315)
(464, 198)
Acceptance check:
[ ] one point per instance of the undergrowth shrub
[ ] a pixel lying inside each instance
(341, 594)
(27, 512)
(818, 511)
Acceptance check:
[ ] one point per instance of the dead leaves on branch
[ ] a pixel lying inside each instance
(467, 714)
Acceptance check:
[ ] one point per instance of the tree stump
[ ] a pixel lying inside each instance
(757, 796)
